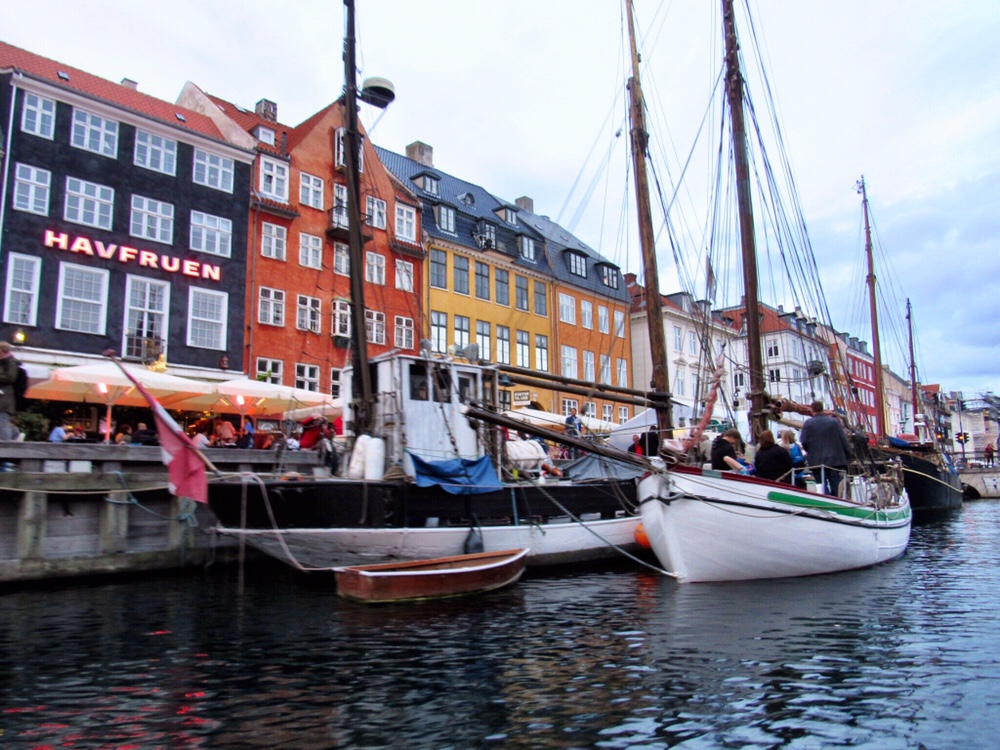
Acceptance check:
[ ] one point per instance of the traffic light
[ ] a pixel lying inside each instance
(962, 437)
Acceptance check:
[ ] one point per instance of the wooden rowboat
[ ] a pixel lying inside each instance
(437, 578)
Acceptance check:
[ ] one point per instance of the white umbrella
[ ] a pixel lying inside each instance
(250, 397)
(105, 383)
(334, 408)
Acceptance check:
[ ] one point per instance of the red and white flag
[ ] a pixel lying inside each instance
(186, 475)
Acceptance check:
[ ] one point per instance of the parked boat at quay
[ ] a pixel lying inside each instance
(436, 578)
(707, 525)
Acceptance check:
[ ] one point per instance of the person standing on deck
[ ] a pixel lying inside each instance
(826, 447)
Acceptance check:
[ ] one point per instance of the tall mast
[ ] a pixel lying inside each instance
(361, 383)
(873, 306)
(734, 92)
(913, 370)
(654, 303)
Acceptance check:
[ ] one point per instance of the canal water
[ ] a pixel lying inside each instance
(906, 655)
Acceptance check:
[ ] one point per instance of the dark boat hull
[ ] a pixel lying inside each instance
(341, 503)
(934, 490)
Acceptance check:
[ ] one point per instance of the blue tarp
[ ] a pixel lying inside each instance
(897, 443)
(459, 476)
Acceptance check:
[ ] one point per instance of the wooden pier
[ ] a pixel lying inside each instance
(89, 509)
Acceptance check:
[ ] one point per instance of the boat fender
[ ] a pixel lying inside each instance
(375, 459)
(356, 466)
(474, 542)
(640, 537)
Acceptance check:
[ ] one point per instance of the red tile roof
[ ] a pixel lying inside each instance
(38, 67)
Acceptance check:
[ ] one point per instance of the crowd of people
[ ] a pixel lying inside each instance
(821, 452)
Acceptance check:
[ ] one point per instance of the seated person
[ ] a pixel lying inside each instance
(60, 433)
(724, 454)
(144, 436)
(200, 438)
(772, 461)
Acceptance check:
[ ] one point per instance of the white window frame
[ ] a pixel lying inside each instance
(338, 214)
(607, 412)
(406, 223)
(374, 268)
(89, 204)
(463, 329)
(160, 315)
(199, 326)
(503, 344)
(403, 332)
(483, 336)
(308, 313)
(32, 189)
(523, 344)
(404, 275)
(211, 234)
(271, 306)
(568, 361)
(567, 309)
(212, 170)
(20, 305)
(589, 371)
(154, 152)
(311, 190)
(335, 382)
(96, 303)
(310, 250)
(307, 377)
(273, 179)
(269, 370)
(375, 212)
(587, 314)
(578, 264)
(605, 362)
(341, 259)
(446, 219)
(274, 241)
(375, 327)
(603, 320)
(620, 324)
(341, 152)
(439, 331)
(152, 219)
(623, 415)
(527, 248)
(622, 372)
(341, 316)
(38, 116)
(94, 133)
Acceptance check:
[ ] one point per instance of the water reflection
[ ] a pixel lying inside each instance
(903, 655)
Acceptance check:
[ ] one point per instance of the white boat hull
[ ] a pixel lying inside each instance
(553, 543)
(715, 526)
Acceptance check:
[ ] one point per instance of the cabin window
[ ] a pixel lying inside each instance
(418, 383)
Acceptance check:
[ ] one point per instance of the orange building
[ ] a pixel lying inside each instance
(298, 272)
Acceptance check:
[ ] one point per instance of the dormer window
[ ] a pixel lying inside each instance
(609, 276)
(487, 235)
(446, 218)
(264, 135)
(578, 264)
(430, 185)
(508, 214)
(527, 248)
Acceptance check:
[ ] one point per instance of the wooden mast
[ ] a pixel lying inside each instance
(734, 91)
(914, 393)
(654, 303)
(363, 404)
(873, 306)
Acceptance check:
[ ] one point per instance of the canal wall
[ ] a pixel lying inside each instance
(92, 509)
(985, 481)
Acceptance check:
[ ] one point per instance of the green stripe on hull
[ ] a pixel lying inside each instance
(850, 511)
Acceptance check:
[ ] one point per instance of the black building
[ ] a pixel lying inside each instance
(123, 223)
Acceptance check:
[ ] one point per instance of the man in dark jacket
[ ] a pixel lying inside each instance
(826, 446)
(724, 451)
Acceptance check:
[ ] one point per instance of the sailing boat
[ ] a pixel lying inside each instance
(453, 506)
(707, 525)
(931, 482)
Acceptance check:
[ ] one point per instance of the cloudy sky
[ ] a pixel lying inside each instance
(525, 98)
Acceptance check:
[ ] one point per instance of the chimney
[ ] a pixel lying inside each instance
(421, 153)
(130, 84)
(525, 204)
(267, 110)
